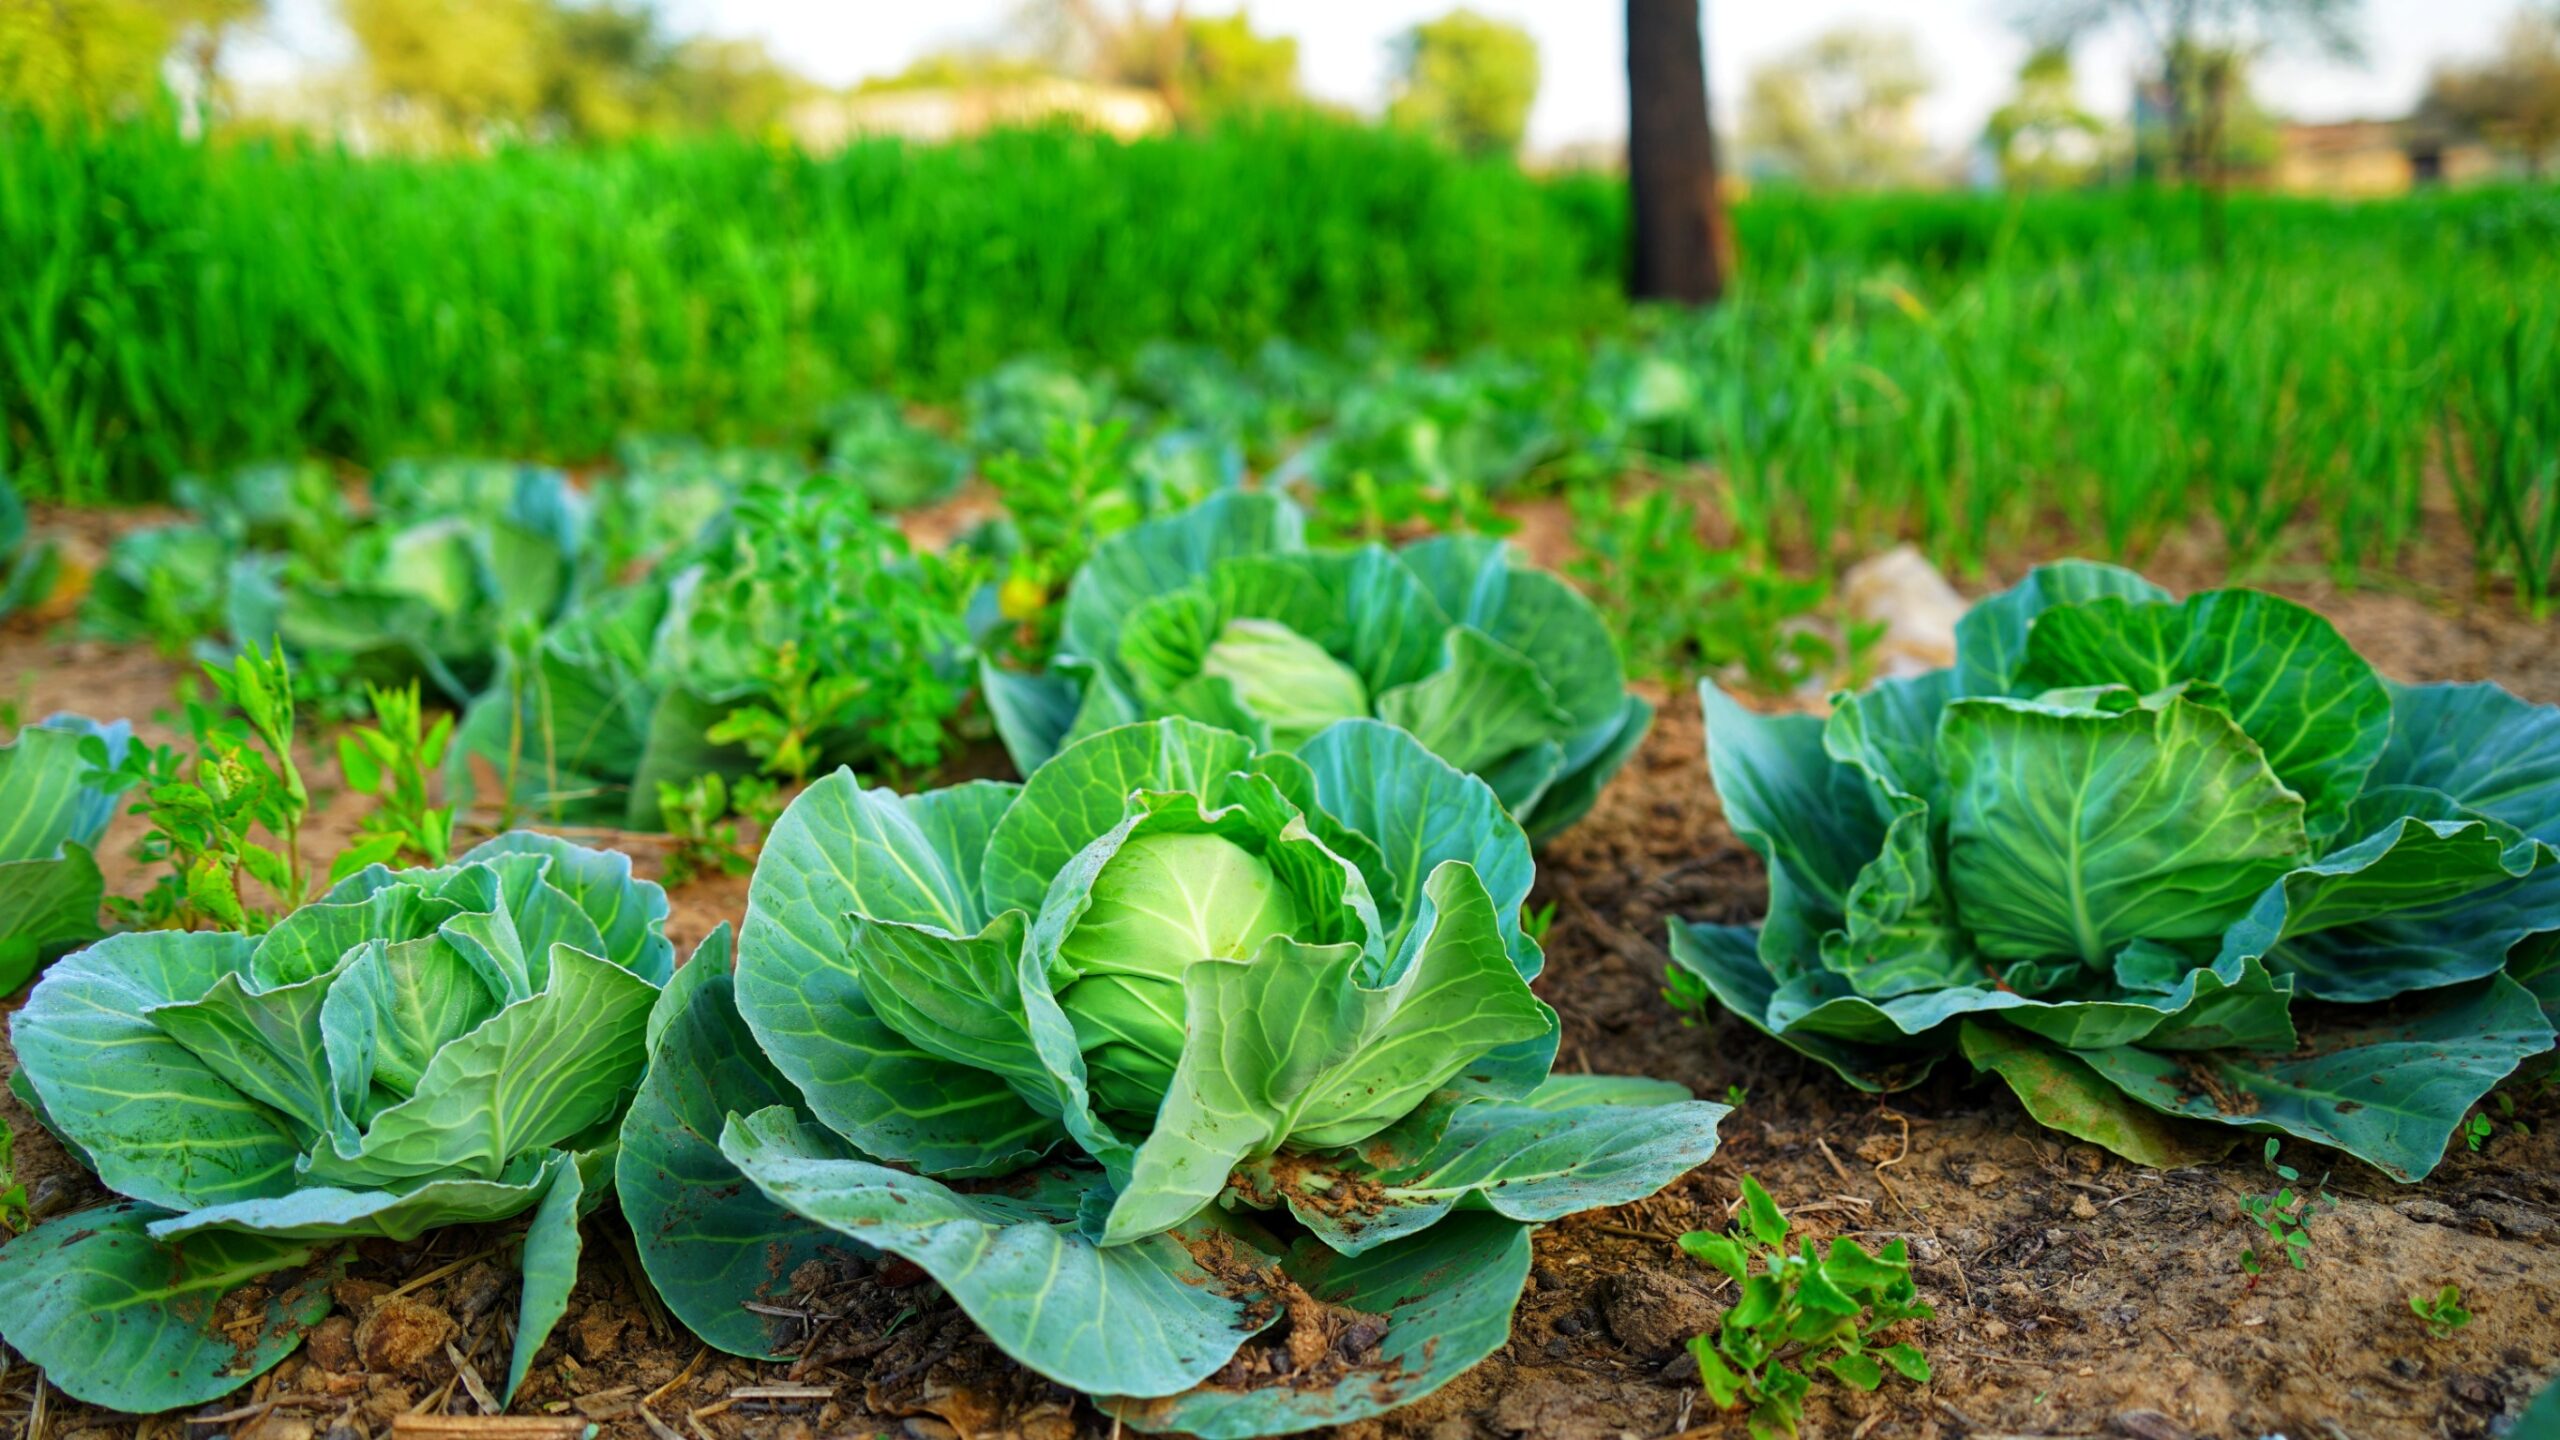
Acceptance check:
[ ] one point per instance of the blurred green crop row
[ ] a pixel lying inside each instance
(173, 306)
(1974, 371)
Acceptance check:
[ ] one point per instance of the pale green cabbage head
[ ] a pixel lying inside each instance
(1286, 679)
(1164, 903)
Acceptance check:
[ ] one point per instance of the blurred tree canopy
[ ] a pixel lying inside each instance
(2199, 121)
(2511, 99)
(599, 70)
(1841, 112)
(1204, 66)
(1468, 78)
(2042, 137)
(79, 56)
(441, 71)
(2193, 119)
(104, 57)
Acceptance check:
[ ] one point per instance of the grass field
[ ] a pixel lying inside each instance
(1962, 370)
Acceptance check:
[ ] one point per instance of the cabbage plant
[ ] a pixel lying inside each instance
(1089, 1047)
(49, 881)
(456, 555)
(29, 566)
(2109, 853)
(1223, 614)
(803, 632)
(417, 1048)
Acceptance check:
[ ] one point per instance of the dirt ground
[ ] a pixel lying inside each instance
(2075, 1295)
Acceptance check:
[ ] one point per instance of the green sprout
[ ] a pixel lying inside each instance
(2477, 1130)
(2285, 1216)
(2443, 1311)
(1801, 1308)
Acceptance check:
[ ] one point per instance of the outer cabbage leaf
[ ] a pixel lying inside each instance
(1534, 1161)
(2316, 710)
(49, 881)
(120, 1321)
(1136, 1319)
(1991, 639)
(156, 1122)
(2436, 896)
(838, 852)
(2072, 832)
(2486, 749)
(1813, 820)
(2064, 1093)
(1446, 1295)
(2387, 1089)
(1726, 961)
(707, 1239)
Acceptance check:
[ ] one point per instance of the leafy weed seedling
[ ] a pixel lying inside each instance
(13, 1193)
(702, 820)
(2477, 1130)
(2285, 1216)
(1805, 1308)
(392, 760)
(205, 814)
(2443, 1311)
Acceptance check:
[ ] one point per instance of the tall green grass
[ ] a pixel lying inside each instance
(170, 305)
(1993, 377)
(1982, 373)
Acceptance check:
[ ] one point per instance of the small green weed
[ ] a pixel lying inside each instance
(13, 1193)
(1805, 1307)
(1536, 921)
(2443, 1311)
(2477, 1130)
(1684, 605)
(702, 817)
(205, 813)
(393, 761)
(2285, 1217)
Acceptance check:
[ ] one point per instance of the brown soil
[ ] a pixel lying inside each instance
(2073, 1291)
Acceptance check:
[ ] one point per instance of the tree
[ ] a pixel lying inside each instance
(463, 67)
(1683, 246)
(67, 58)
(732, 85)
(2201, 50)
(606, 70)
(600, 70)
(2042, 137)
(1468, 78)
(203, 28)
(1203, 66)
(1228, 67)
(2512, 100)
(1841, 112)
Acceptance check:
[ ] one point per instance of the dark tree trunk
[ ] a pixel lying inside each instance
(1683, 250)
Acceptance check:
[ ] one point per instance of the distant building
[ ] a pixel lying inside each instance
(2373, 157)
(828, 122)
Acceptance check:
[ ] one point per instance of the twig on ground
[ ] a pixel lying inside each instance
(471, 1380)
(442, 1271)
(692, 1368)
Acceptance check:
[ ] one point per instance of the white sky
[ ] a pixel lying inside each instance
(1967, 44)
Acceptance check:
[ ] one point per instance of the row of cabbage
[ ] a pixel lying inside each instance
(1245, 942)
(1102, 1051)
